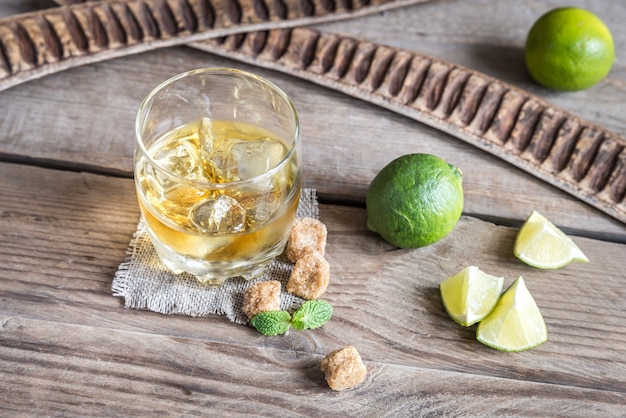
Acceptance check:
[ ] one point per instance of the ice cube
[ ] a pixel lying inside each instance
(181, 158)
(184, 195)
(222, 214)
(179, 199)
(205, 133)
(235, 159)
(261, 203)
(263, 210)
(206, 141)
(222, 164)
(256, 157)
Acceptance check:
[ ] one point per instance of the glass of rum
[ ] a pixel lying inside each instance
(217, 172)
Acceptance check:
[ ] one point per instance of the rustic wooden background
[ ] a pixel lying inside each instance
(68, 211)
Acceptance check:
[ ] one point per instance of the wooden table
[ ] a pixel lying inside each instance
(68, 211)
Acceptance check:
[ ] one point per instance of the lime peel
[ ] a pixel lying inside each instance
(415, 200)
(569, 49)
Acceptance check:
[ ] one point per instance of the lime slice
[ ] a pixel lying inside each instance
(541, 244)
(470, 295)
(515, 324)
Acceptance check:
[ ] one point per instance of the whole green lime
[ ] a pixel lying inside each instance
(415, 200)
(569, 49)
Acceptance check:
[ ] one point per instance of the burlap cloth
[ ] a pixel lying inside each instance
(145, 283)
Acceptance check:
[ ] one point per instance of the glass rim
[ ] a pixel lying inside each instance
(220, 71)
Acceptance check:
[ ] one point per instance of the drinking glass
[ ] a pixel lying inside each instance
(217, 172)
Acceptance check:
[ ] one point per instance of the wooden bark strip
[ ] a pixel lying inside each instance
(39, 43)
(573, 154)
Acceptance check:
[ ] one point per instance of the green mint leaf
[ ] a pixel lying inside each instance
(271, 322)
(312, 314)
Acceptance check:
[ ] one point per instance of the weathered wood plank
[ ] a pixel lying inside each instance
(92, 128)
(67, 347)
(573, 301)
(84, 117)
(13, 7)
(69, 370)
(63, 235)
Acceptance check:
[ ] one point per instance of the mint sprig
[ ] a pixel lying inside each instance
(271, 322)
(312, 314)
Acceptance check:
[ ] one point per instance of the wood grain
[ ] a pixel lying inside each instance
(508, 122)
(82, 119)
(80, 375)
(68, 347)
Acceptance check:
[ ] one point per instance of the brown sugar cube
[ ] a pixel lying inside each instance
(309, 277)
(261, 297)
(343, 368)
(307, 235)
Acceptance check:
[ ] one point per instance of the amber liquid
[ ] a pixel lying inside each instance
(228, 207)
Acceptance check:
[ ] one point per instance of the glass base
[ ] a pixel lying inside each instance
(215, 277)
(212, 273)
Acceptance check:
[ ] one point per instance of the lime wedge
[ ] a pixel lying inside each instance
(470, 295)
(541, 244)
(515, 324)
